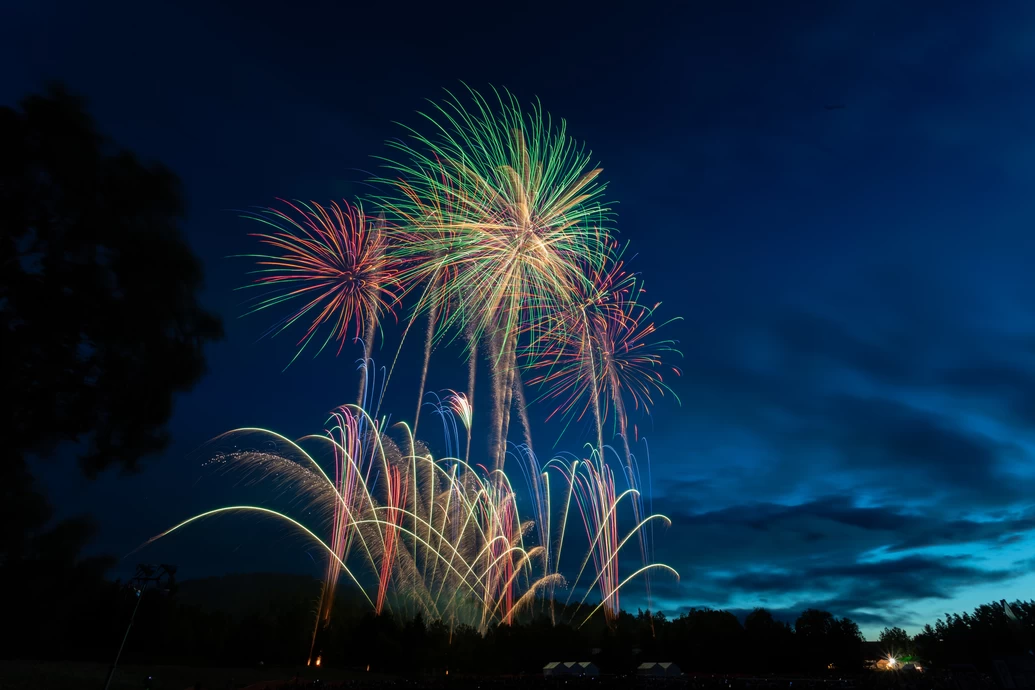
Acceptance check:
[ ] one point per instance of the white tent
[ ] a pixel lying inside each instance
(587, 668)
(555, 669)
(558, 669)
(654, 669)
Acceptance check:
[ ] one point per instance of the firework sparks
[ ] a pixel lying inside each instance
(451, 544)
(610, 359)
(508, 207)
(461, 407)
(333, 261)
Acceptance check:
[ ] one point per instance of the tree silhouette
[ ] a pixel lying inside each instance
(979, 637)
(896, 641)
(100, 314)
(824, 639)
(100, 325)
(771, 640)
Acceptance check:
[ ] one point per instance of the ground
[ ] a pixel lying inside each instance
(63, 675)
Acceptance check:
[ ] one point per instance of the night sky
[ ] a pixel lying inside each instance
(857, 427)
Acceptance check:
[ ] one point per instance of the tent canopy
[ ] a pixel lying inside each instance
(571, 668)
(664, 669)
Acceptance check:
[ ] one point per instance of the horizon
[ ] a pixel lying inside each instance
(740, 614)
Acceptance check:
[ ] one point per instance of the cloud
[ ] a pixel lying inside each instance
(795, 401)
(862, 585)
(1008, 387)
(831, 527)
(897, 451)
(872, 563)
(841, 448)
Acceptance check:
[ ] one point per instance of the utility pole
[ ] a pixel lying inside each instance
(145, 575)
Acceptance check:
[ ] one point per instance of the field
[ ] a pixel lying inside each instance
(65, 675)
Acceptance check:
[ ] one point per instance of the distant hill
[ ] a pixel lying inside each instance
(249, 593)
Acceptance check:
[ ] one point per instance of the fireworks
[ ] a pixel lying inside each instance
(441, 538)
(503, 203)
(607, 359)
(334, 262)
(461, 407)
(506, 206)
(494, 228)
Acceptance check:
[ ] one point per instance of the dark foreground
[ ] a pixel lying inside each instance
(35, 675)
(27, 675)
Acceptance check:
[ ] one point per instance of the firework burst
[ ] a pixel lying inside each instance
(606, 359)
(508, 207)
(333, 263)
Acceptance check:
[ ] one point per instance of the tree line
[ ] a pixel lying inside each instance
(271, 621)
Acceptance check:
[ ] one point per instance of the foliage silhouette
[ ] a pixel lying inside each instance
(976, 638)
(101, 326)
(896, 641)
(270, 618)
(101, 319)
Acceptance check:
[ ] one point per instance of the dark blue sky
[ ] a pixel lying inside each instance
(859, 375)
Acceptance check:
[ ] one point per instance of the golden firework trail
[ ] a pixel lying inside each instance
(438, 537)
